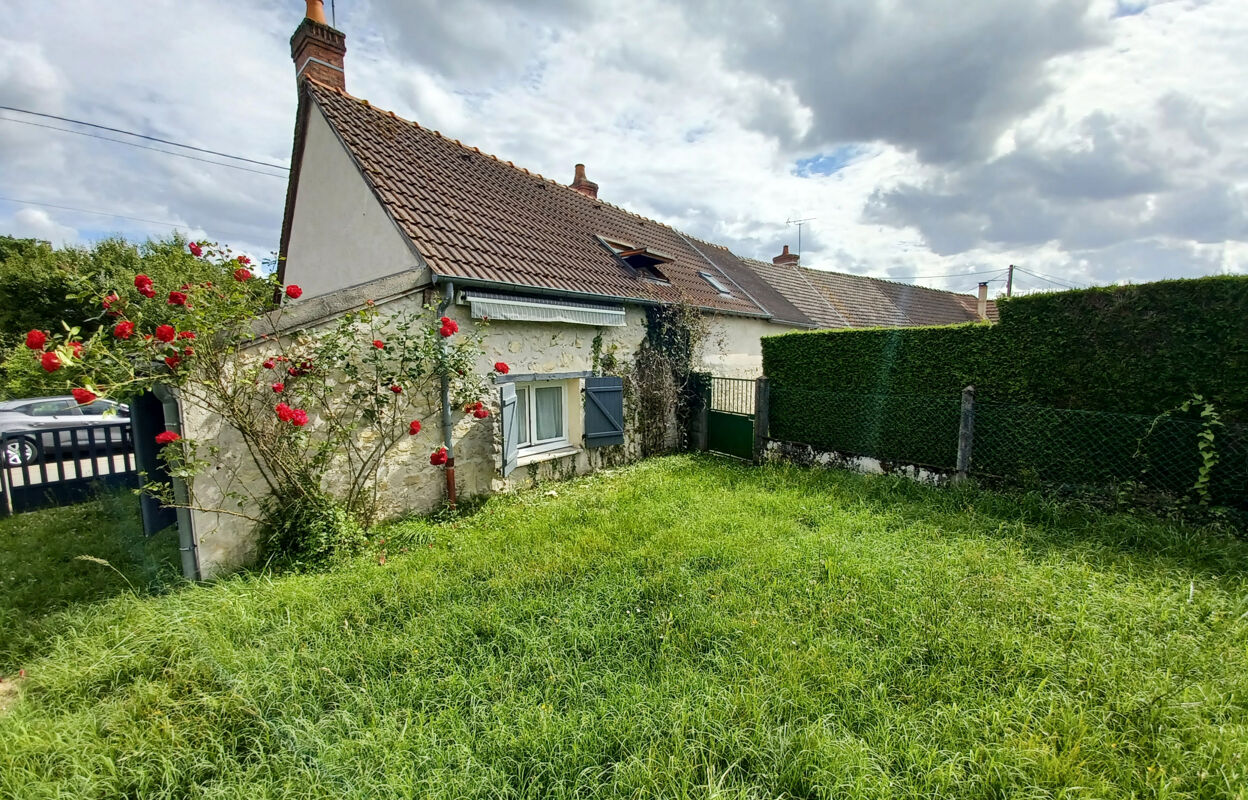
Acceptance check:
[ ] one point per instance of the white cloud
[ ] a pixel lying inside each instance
(34, 223)
(944, 137)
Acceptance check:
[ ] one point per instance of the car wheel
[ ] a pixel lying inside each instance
(20, 452)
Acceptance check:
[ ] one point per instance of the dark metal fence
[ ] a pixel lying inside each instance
(56, 466)
(1018, 443)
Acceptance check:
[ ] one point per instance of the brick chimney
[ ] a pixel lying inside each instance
(786, 257)
(982, 307)
(582, 184)
(318, 49)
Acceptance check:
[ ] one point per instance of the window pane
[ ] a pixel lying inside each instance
(549, 416)
(522, 415)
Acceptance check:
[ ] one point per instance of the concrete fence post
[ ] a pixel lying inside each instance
(762, 417)
(966, 432)
(700, 397)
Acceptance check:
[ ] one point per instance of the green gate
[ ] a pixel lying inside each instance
(730, 417)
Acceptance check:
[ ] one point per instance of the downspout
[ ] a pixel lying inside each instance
(448, 296)
(188, 542)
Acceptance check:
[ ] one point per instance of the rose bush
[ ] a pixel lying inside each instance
(350, 391)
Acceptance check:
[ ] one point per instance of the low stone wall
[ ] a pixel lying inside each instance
(808, 456)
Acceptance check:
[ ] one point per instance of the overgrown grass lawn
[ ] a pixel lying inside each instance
(681, 628)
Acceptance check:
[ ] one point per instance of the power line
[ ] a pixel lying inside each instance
(99, 213)
(952, 275)
(1045, 278)
(140, 146)
(142, 136)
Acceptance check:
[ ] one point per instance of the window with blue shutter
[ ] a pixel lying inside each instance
(604, 411)
(510, 427)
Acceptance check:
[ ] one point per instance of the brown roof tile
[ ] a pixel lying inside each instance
(472, 216)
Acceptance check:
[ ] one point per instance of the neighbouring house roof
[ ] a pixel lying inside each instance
(478, 220)
(840, 300)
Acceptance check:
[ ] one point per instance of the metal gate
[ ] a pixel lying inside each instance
(730, 417)
(57, 466)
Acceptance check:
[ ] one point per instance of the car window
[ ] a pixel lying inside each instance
(100, 408)
(52, 408)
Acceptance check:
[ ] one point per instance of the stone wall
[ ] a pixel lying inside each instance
(407, 483)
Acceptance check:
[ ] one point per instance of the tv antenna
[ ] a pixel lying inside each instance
(799, 223)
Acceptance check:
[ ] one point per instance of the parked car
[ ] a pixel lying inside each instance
(34, 417)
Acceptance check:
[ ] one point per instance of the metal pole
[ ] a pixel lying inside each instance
(448, 296)
(966, 432)
(1009, 281)
(762, 417)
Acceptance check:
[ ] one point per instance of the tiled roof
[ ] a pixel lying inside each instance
(858, 301)
(474, 217)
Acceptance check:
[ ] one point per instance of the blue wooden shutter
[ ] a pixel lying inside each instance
(511, 428)
(604, 411)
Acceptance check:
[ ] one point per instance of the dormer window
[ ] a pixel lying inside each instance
(714, 282)
(644, 260)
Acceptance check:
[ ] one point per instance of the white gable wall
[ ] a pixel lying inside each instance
(340, 235)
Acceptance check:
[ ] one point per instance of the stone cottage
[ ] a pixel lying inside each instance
(380, 209)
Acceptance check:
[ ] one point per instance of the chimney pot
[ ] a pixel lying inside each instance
(582, 184)
(786, 257)
(982, 305)
(318, 50)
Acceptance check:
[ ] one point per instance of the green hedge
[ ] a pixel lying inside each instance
(1128, 349)
(1067, 386)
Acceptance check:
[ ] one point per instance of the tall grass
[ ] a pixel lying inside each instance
(55, 558)
(680, 628)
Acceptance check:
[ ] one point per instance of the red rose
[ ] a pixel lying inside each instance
(50, 362)
(195, 249)
(123, 330)
(147, 291)
(241, 274)
(188, 351)
(177, 298)
(166, 333)
(284, 412)
(299, 418)
(413, 428)
(501, 368)
(167, 437)
(279, 387)
(438, 457)
(109, 299)
(244, 260)
(76, 348)
(397, 389)
(446, 331)
(173, 361)
(292, 372)
(481, 413)
(294, 292)
(269, 363)
(186, 334)
(83, 396)
(379, 344)
(141, 280)
(35, 340)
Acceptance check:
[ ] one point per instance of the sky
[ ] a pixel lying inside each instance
(930, 141)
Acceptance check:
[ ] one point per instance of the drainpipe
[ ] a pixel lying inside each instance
(448, 296)
(188, 542)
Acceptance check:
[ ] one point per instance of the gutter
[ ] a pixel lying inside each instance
(540, 290)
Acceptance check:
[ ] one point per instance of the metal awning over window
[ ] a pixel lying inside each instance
(489, 305)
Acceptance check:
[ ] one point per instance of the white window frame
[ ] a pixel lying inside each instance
(530, 423)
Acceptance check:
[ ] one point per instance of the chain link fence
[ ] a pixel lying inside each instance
(1022, 444)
